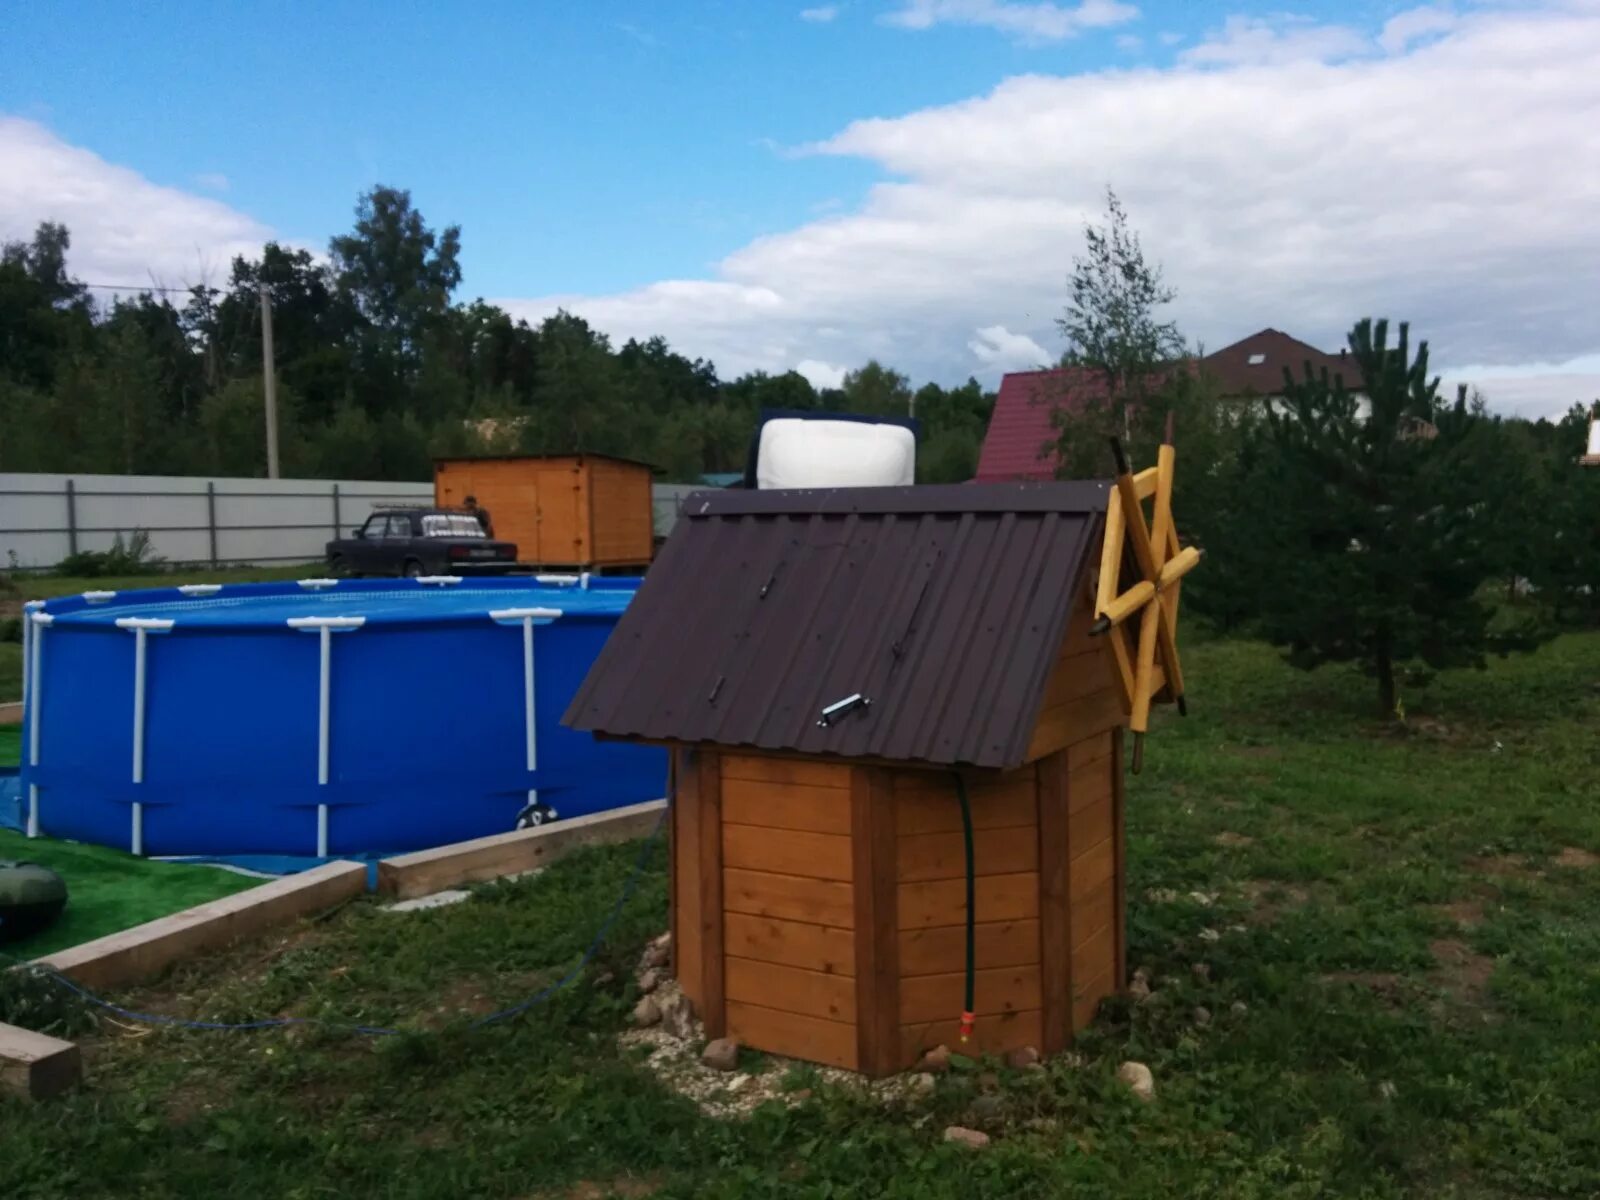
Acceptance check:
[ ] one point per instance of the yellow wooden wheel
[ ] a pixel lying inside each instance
(1147, 669)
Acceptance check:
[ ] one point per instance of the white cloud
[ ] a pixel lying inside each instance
(997, 348)
(1434, 185)
(1245, 41)
(1403, 29)
(1032, 22)
(820, 15)
(821, 374)
(124, 228)
(1530, 389)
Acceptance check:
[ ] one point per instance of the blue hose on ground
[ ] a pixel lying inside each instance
(538, 998)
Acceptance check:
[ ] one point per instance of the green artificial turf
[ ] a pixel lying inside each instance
(110, 891)
(1391, 931)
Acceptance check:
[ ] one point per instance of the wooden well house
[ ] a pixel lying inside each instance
(834, 669)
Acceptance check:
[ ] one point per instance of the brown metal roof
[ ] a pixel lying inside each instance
(945, 606)
(1254, 366)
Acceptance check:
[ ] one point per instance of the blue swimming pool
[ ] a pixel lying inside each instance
(323, 717)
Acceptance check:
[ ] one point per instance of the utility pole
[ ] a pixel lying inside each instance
(269, 383)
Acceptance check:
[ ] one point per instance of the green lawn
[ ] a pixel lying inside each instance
(110, 891)
(1398, 948)
(29, 586)
(18, 587)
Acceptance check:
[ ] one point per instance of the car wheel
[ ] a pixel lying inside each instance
(339, 567)
(535, 815)
(412, 569)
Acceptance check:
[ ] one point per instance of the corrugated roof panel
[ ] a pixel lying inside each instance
(944, 606)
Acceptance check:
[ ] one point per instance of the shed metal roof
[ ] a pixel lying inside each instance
(945, 606)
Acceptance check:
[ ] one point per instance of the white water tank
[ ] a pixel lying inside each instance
(1594, 438)
(806, 453)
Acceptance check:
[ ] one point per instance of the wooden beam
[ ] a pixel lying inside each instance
(1144, 483)
(1119, 882)
(143, 952)
(877, 934)
(1110, 553)
(685, 816)
(1143, 684)
(427, 871)
(1055, 913)
(35, 1066)
(1130, 602)
(1162, 524)
(713, 964)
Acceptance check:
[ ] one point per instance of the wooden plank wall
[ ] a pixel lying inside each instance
(531, 501)
(1094, 873)
(1082, 698)
(621, 519)
(930, 874)
(789, 929)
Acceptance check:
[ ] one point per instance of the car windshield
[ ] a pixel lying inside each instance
(453, 525)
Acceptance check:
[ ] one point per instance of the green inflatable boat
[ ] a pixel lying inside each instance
(31, 898)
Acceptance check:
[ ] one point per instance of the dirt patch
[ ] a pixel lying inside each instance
(1270, 899)
(462, 999)
(1572, 856)
(1468, 914)
(197, 1095)
(1461, 970)
(1388, 986)
(1231, 839)
(1502, 866)
(626, 1186)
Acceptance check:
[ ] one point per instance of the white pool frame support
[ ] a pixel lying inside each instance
(199, 589)
(99, 597)
(316, 585)
(442, 581)
(40, 621)
(325, 628)
(527, 618)
(582, 580)
(141, 628)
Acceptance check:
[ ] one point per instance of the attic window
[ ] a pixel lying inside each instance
(1256, 360)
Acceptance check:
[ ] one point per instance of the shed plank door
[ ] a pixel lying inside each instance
(788, 931)
(562, 516)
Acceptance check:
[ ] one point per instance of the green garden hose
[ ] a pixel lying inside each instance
(967, 1017)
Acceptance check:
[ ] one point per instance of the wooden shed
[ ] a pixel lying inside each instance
(844, 674)
(586, 511)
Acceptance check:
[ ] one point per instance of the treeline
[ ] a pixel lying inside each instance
(379, 369)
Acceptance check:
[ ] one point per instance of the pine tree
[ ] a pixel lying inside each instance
(1373, 524)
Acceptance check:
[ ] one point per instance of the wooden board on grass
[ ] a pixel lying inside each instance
(143, 952)
(427, 871)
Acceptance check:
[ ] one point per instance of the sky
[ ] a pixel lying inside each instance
(808, 185)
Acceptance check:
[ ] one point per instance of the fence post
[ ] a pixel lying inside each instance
(337, 524)
(211, 518)
(72, 518)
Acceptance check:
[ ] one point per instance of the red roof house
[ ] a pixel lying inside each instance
(1254, 366)
(1019, 442)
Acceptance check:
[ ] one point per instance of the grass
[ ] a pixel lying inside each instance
(109, 891)
(1394, 929)
(18, 587)
(31, 586)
